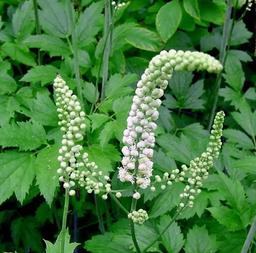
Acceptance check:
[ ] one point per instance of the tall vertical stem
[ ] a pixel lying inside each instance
(74, 49)
(249, 237)
(107, 49)
(227, 30)
(38, 29)
(64, 221)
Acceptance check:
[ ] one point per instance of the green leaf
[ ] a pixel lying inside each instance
(231, 189)
(240, 34)
(227, 217)
(19, 53)
(46, 172)
(115, 243)
(47, 43)
(8, 105)
(25, 233)
(168, 19)
(192, 8)
(211, 40)
(246, 164)
(107, 133)
(98, 120)
(172, 238)
(247, 120)
(24, 135)
(56, 247)
(103, 157)
(89, 23)
(44, 74)
(200, 204)
(90, 92)
(144, 39)
(43, 110)
(239, 138)
(55, 18)
(15, 166)
(212, 11)
(234, 73)
(118, 85)
(7, 84)
(166, 201)
(23, 20)
(199, 241)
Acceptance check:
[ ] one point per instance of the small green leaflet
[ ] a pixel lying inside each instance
(19, 53)
(8, 105)
(44, 74)
(56, 247)
(172, 238)
(8, 84)
(240, 34)
(97, 120)
(15, 166)
(24, 135)
(144, 39)
(192, 8)
(23, 20)
(167, 201)
(43, 110)
(55, 18)
(168, 19)
(46, 172)
(199, 241)
(93, 19)
(53, 45)
(228, 217)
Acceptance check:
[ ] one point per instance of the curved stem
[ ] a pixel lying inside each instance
(64, 221)
(135, 242)
(118, 203)
(99, 216)
(249, 237)
(164, 230)
(227, 31)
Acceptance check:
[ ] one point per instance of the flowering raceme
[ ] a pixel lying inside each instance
(75, 167)
(139, 136)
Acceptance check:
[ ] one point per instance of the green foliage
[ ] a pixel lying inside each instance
(67, 38)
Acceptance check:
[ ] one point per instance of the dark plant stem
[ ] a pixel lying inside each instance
(249, 237)
(99, 215)
(227, 31)
(38, 29)
(64, 221)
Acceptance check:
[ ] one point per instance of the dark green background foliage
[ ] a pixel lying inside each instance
(33, 50)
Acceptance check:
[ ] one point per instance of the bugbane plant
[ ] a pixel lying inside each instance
(139, 136)
(75, 168)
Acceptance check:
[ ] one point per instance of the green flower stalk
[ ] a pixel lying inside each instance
(139, 136)
(198, 169)
(75, 168)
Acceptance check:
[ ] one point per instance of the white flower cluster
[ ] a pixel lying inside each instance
(249, 4)
(139, 216)
(198, 169)
(139, 136)
(75, 167)
(118, 5)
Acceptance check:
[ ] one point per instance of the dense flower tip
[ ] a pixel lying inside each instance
(198, 169)
(75, 168)
(139, 216)
(139, 136)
